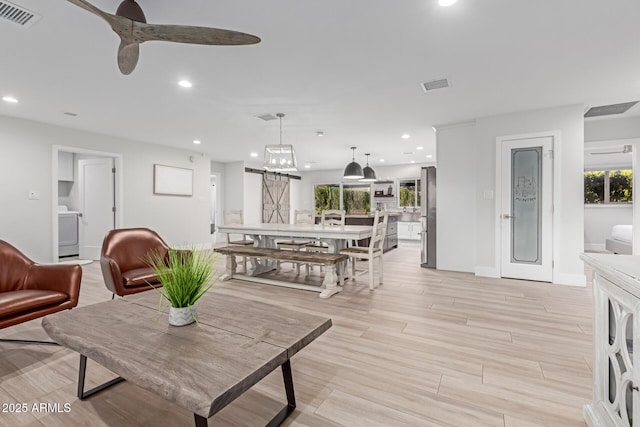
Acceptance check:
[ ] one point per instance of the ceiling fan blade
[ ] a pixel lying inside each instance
(193, 35)
(114, 21)
(128, 54)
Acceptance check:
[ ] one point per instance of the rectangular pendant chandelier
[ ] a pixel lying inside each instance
(280, 158)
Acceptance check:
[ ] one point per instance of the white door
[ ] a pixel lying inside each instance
(527, 208)
(96, 202)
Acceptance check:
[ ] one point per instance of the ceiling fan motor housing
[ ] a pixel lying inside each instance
(132, 10)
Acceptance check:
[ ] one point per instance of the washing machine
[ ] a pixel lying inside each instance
(67, 232)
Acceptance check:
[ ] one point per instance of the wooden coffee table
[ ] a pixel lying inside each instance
(201, 367)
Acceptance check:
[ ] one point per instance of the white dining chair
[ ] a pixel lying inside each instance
(299, 217)
(232, 217)
(371, 252)
(328, 218)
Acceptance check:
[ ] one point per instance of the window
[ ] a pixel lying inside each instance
(326, 196)
(409, 193)
(356, 198)
(608, 186)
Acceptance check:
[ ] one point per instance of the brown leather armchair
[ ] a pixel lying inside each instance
(124, 259)
(29, 290)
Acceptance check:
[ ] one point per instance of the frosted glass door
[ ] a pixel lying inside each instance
(526, 173)
(526, 219)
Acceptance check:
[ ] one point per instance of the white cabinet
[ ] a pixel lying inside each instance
(65, 166)
(616, 370)
(408, 230)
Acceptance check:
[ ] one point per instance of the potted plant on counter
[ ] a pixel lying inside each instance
(186, 275)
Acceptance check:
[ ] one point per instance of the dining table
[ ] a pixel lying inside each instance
(266, 235)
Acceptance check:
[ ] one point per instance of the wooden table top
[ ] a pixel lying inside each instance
(201, 367)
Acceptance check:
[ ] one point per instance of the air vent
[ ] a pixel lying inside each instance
(435, 84)
(606, 110)
(267, 117)
(17, 15)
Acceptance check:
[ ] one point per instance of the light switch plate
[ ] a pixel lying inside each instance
(34, 195)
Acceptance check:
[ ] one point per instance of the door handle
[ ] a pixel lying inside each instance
(507, 216)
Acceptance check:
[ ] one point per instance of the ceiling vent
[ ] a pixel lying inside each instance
(606, 110)
(17, 14)
(267, 117)
(435, 84)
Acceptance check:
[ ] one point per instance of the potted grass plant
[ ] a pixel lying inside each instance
(186, 275)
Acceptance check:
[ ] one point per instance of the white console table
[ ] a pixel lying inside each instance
(616, 334)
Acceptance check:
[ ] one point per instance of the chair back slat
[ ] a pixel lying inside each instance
(304, 217)
(233, 217)
(379, 230)
(332, 217)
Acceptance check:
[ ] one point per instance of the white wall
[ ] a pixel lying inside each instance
(26, 164)
(568, 201)
(456, 198)
(252, 198)
(471, 152)
(607, 129)
(233, 186)
(598, 221)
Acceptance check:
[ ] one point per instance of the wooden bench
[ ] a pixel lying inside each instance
(328, 260)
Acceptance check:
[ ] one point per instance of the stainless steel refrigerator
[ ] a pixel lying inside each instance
(428, 217)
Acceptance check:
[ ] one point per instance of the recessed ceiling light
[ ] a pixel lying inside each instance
(185, 83)
(445, 3)
(10, 99)
(196, 141)
(381, 160)
(254, 154)
(420, 148)
(429, 156)
(413, 161)
(307, 166)
(405, 136)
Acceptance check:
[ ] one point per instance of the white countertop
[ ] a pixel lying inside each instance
(623, 270)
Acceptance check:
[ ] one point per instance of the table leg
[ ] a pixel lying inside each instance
(83, 369)
(200, 421)
(291, 398)
(232, 265)
(329, 283)
(284, 412)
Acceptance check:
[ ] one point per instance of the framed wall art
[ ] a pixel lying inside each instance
(173, 181)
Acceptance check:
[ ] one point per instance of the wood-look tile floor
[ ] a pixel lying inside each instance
(428, 348)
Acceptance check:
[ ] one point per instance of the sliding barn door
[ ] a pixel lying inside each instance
(275, 199)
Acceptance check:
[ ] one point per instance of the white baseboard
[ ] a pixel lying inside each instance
(487, 272)
(594, 247)
(570, 279)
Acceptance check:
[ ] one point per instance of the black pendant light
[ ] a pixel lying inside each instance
(369, 173)
(353, 169)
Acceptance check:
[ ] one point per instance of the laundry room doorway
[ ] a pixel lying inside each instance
(85, 183)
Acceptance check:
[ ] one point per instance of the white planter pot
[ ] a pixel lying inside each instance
(182, 316)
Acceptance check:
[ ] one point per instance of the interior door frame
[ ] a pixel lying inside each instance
(556, 142)
(119, 200)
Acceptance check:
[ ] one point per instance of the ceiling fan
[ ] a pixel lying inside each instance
(131, 26)
(625, 150)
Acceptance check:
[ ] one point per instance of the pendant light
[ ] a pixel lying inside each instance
(281, 157)
(369, 173)
(353, 169)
